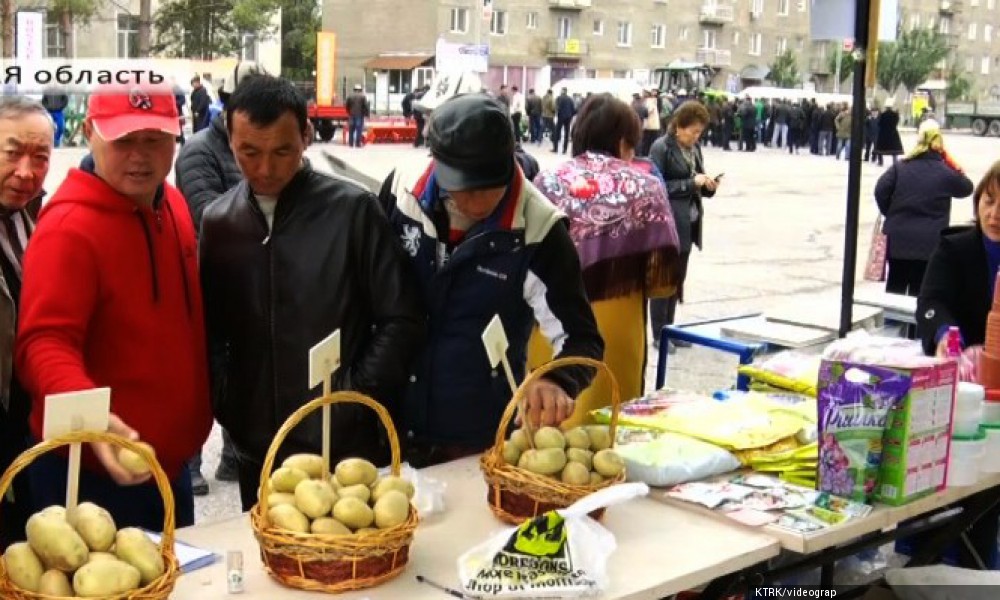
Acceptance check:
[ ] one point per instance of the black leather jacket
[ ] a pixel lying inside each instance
(329, 262)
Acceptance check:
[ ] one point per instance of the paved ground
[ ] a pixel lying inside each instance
(773, 235)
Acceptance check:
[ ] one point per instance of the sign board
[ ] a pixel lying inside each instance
(30, 36)
(324, 358)
(87, 410)
(326, 80)
(458, 58)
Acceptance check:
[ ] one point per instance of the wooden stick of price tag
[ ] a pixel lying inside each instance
(76, 411)
(495, 341)
(324, 359)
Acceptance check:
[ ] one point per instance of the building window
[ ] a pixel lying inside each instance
(708, 39)
(564, 28)
(988, 33)
(783, 8)
(944, 26)
(498, 22)
(682, 33)
(624, 33)
(736, 38)
(974, 3)
(128, 36)
(780, 46)
(972, 31)
(657, 36)
(422, 76)
(991, 4)
(984, 65)
(459, 20)
(55, 41)
(801, 5)
(618, 74)
(248, 47)
(757, 7)
(914, 21)
(532, 22)
(755, 44)
(598, 27)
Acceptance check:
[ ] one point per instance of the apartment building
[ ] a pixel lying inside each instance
(533, 43)
(114, 33)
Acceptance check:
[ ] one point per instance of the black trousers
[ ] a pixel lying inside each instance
(662, 311)
(562, 133)
(905, 276)
(516, 120)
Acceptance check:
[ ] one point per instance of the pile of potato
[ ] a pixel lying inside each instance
(355, 500)
(82, 554)
(580, 456)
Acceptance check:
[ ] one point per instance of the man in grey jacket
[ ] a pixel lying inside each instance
(26, 136)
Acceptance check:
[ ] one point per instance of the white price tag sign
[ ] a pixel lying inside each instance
(86, 410)
(324, 359)
(495, 340)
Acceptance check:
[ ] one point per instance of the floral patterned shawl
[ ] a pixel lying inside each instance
(620, 222)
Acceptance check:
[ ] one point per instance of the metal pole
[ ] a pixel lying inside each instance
(837, 77)
(861, 41)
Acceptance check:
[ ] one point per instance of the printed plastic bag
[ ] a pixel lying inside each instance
(560, 554)
(669, 459)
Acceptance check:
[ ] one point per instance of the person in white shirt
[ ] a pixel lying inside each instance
(517, 112)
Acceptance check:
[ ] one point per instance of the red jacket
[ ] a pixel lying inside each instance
(111, 297)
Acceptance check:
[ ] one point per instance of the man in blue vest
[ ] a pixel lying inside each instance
(483, 242)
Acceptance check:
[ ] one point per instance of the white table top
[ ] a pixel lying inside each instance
(661, 549)
(882, 517)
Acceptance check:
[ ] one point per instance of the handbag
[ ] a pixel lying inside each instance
(875, 269)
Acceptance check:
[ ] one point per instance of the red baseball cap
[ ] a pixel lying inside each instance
(117, 110)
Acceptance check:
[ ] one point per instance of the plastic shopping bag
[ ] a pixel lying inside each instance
(560, 554)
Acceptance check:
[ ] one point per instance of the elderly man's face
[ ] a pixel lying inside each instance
(25, 150)
(135, 164)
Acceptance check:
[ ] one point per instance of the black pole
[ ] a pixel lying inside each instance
(861, 41)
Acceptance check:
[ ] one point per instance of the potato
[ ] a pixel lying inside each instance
(277, 498)
(95, 556)
(286, 516)
(584, 457)
(392, 483)
(56, 511)
(329, 526)
(105, 578)
(608, 464)
(600, 437)
(56, 543)
(94, 524)
(55, 583)
(131, 460)
(284, 479)
(575, 473)
(595, 478)
(511, 453)
(548, 461)
(365, 530)
(334, 483)
(520, 439)
(353, 512)
(352, 471)
(314, 498)
(549, 437)
(135, 548)
(312, 464)
(361, 492)
(391, 509)
(23, 566)
(578, 438)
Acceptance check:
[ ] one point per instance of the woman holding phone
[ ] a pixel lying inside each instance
(678, 157)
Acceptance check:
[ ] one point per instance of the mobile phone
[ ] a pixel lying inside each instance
(718, 177)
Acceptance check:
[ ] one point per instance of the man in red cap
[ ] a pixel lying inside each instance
(111, 297)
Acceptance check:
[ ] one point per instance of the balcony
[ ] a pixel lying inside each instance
(949, 7)
(715, 14)
(570, 4)
(819, 65)
(714, 57)
(570, 48)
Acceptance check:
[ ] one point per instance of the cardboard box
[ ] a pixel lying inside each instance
(916, 444)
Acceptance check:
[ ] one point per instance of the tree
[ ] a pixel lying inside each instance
(911, 58)
(206, 30)
(846, 64)
(785, 70)
(7, 8)
(299, 23)
(145, 19)
(959, 84)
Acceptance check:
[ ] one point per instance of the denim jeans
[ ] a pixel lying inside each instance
(356, 130)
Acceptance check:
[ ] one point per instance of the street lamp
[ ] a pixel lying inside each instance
(375, 92)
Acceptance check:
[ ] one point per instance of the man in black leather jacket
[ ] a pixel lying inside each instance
(288, 256)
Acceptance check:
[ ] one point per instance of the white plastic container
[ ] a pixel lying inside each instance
(990, 462)
(991, 412)
(966, 456)
(969, 400)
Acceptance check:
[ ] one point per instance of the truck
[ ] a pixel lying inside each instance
(325, 118)
(981, 117)
(691, 77)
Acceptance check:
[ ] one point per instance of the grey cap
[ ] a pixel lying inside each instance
(472, 142)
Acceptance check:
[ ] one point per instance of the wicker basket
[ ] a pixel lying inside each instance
(517, 494)
(156, 590)
(330, 563)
